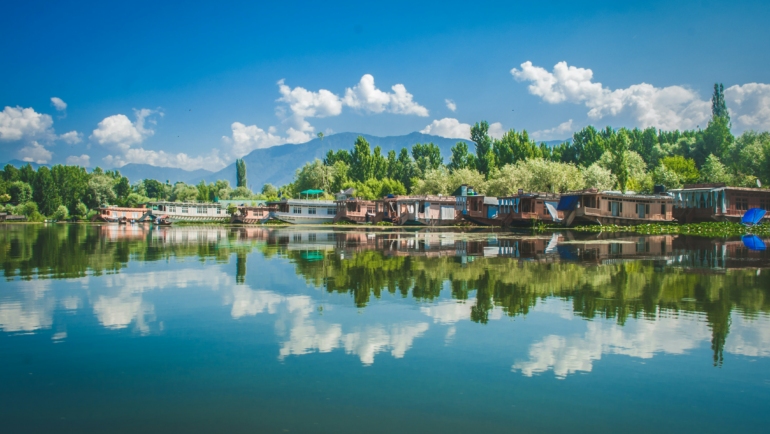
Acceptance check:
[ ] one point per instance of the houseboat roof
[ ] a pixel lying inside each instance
(620, 194)
(534, 195)
(429, 198)
(319, 202)
(715, 187)
(168, 202)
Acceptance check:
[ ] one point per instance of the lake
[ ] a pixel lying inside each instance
(252, 329)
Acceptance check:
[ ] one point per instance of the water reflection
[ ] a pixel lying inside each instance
(372, 292)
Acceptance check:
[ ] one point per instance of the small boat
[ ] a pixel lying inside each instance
(163, 221)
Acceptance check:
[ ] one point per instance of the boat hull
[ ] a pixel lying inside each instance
(301, 219)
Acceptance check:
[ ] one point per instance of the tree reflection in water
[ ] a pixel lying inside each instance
(605, 277)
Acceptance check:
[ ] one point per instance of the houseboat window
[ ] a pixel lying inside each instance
(200, 210)
(330, 211)
(647, 209)
(311, 237)
(422, 207)
(525, 206)
(741, 203)
(184, 210)
(297, 237)
(219, 211)
(172, 209)
(663, 209)
(763, 204)
(296, 210)
(311, 210)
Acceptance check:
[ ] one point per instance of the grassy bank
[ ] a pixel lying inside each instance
(713, 229)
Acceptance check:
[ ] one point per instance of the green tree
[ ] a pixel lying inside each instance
(718, 106)
(598, 177)
(81, 210)
(618, 148)
(515, 146)
(240, 173)
(122, 189)
(683, 167)
(485, 158)
(20, 192)
(44, 192)
(269, 191)
(27, 174)
(61, 213)
(100, 191)
(11, 173)
(154, 189)
(461, 158)
(361, 164)
(71, 183)
(426, 157)
(714, 171)
(379, 164)
(587, 146)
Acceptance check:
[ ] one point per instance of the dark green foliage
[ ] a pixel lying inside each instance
(515, 146)
(20, 192)
(485, 158)
(718, 106)
(461, 158)
(426, 157)
(44, 192)
(240, 173)
(361, 161)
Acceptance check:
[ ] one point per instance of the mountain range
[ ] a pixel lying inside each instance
(277, 164)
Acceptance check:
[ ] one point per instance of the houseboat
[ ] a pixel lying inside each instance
(418, 210)
(613, 207)
(478, 209)
(251, 214)
(717, 202)
(117, 214)
(523, 209)
(189, 211)
(355, 210)
(305, 211)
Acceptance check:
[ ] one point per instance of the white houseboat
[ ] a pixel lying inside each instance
(305, 211)
(190, 211)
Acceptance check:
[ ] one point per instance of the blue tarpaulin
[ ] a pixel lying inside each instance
(567, 203)
(753, 242)
(753, 216)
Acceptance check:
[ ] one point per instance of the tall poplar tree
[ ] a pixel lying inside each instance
(240, 173)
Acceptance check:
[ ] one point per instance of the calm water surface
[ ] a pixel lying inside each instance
(219, 329)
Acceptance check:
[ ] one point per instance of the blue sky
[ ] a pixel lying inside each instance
(195, 86)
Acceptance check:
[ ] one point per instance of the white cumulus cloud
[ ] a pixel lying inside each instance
(246, 138)
(120, 132)
(749, 105)
(72, 137)
(58, 103)
(496, 130)
(448, 127)
(179, 160)
(450, 104)
(365, 96)
(83, 160)
(35, 153)
(18, 123)
(557, 132)
(672, 107)
(305, 103)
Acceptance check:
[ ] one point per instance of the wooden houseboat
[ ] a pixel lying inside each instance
(355, 210)
(418, 210)
(117, 214)
(189, 211)
(523, 209)
(612, 207)
(251, 214)
(479, 209)
(717, 202)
